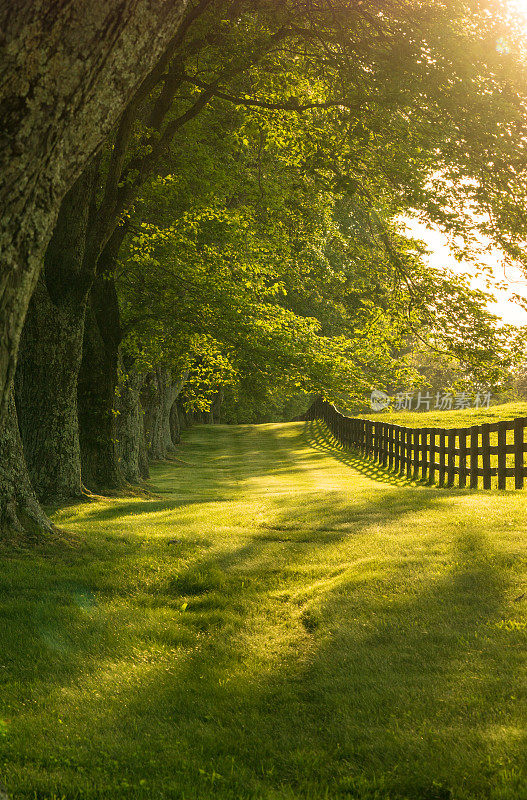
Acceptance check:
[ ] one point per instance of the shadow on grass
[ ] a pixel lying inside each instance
(221, 474)
(381, 698)
(192, 673)
(319, 437)
(392, 700)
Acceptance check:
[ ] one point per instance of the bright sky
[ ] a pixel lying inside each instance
(440, 256)
(519, 5)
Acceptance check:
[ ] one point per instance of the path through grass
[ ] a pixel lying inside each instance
(281, 621)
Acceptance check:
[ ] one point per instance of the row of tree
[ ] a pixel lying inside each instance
(204, 201)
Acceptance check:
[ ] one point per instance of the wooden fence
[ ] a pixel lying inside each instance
(448, 456)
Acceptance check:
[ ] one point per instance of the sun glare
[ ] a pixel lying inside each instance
(518, 6)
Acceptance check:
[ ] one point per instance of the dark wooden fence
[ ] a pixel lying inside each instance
(443, 455)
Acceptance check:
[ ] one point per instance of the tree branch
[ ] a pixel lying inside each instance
(291, 104)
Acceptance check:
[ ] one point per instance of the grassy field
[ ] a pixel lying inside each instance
(450, 419)
(460, 419)
(280, 621)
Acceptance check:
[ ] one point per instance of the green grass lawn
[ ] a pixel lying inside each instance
(281, 620)
(450, 419)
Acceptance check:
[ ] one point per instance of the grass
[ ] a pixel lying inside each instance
(450, 419)
(281, 621)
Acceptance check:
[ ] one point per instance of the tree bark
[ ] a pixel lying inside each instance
(51, 351)
(159, 396)
(67, 71)
(20, 512)
(130, 427)
(175, 424)
(97, 389)
(46, 395)
(144, 465)
(216, 406)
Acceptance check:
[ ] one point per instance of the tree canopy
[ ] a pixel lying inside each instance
(238, 237)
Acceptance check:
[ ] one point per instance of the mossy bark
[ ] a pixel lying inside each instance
(51, 351)
(46, 395)
(97, 385)
(67, 70)
(131, 445)
(159, 395)
(20, 513)
(175, 424)
(216, 406)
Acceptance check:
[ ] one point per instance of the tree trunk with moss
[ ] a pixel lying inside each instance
(67, 70)
(20, 511)
(216, 406)
(97, 389)
(175, 424)
(130, 427)
(189, 418)
(51, 352)
(160, 393)
(144, 463)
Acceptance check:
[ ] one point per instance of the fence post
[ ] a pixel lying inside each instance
(416, 454)
(442, 455)
(451, 434)
(474, 436)
(518, 453)
(502, 455)
(485, 455)
(462, 457)
(397, 454)
(409, 452)
(424, 453)
(432, 451)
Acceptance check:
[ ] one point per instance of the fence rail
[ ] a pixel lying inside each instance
(445, 455)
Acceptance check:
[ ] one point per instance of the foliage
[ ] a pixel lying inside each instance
(294, 286)
(263, 177)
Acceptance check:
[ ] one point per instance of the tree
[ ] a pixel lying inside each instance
(66, 74)
(367, 100)
(292, 288)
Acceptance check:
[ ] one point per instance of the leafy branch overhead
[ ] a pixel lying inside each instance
(238, 238)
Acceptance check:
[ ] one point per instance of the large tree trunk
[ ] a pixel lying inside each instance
(175, 424)
(130, 427)
(46, 395)
(216, 406)
(67, 70)
(159, 396)
(51, 351)
(20, 512)
(97, 389)
(144, 464)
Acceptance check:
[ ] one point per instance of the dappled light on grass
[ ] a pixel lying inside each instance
(277, 622)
